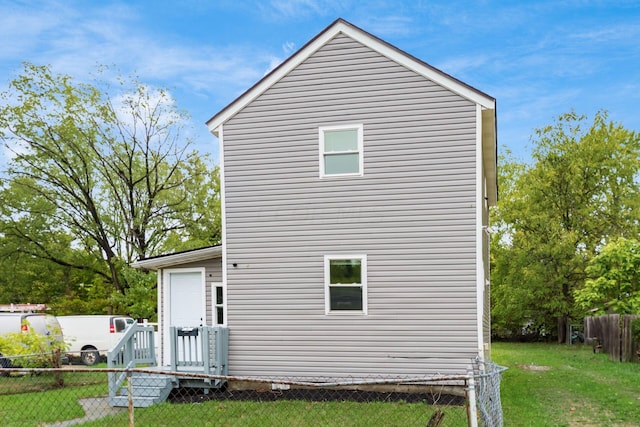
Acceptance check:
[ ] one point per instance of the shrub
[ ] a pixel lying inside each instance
(32, 350)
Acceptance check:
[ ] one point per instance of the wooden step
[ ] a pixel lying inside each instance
(148, 389)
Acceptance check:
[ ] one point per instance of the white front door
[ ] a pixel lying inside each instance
(186, 299)
(185, 304)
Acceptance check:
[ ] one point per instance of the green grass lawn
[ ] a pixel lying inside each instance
(294, 413)
(560, 385)
(31, 400)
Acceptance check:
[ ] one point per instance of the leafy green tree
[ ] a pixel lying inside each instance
(509, 266)
(100, 175)
(555, 213)
(30, 244)
(140, 298)
(614, 279)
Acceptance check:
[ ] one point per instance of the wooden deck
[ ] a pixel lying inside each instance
(196, 354)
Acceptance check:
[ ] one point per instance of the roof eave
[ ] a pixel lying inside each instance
(170, 260)
(490, 154)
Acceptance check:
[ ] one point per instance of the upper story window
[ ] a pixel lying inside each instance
(341, 150)
(345, 281)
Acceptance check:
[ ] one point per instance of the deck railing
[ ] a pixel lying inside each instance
(200, 349)
(135, 347)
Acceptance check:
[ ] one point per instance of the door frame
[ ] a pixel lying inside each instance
(166, 306)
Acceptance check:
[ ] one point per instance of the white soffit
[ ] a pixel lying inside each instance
(489, 154)
(170, 260)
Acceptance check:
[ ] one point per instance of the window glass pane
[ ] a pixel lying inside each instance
(120, 325)
(218, 294)
(341, 163)
(341, 140)
(345, 298)
(345, 271)
(219, 315)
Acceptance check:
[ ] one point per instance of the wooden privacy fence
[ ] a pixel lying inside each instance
(613, 333)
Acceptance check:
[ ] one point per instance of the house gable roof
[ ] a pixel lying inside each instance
(178, 258)
(337, 27)
(340, 26)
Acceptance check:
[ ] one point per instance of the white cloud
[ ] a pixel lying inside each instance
(620, 32)
(23, 29)
(273, 64)
(289, 48)
(464, 65)
(389, 25)
(76, 44)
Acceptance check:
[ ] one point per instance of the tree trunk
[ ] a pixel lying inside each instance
(562, 329)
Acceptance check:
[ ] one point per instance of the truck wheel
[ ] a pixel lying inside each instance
(90, 356)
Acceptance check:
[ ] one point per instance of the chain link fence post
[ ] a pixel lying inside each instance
(472, 418)
(130, 398)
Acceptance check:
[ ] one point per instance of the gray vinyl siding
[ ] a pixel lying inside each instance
(412, 214)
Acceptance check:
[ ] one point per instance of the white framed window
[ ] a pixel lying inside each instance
(341, 150)
(218, 306)
(345, 284)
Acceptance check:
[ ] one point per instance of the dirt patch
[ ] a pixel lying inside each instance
(535, 368)
(186, 395)
(581, 415)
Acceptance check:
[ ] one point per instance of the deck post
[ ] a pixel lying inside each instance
(206, 349)
(222, 352)
(173, 336)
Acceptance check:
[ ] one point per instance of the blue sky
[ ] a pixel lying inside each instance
(537, 58)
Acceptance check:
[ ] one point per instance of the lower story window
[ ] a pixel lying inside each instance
(218, 306)
(345, 278)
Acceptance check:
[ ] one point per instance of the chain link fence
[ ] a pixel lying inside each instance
(76, 395)
(485, 380)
